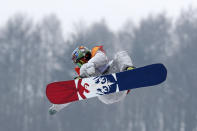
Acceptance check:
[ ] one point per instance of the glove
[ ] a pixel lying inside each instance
(87, 69)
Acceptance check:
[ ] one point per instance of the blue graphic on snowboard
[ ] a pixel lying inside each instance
(108, 84)
(140, 77)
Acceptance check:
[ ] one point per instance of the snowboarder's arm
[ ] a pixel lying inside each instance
(99, 59)
(95, 62)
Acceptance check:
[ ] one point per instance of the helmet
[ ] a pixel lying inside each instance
(81, 55)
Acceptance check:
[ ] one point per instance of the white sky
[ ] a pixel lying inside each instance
(115, 12)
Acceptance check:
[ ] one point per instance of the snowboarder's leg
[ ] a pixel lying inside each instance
(123, 62)
(56, 108)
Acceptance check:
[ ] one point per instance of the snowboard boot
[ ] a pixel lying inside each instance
(130, 68)
(52, 111)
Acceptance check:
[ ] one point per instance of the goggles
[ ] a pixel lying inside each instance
(80, 62)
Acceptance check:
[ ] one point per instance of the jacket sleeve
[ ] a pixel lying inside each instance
(100, 59)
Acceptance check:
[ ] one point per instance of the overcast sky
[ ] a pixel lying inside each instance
(115, 12)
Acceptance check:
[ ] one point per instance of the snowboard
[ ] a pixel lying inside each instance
(73, 90)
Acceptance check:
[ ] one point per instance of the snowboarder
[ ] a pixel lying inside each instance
(93, 63)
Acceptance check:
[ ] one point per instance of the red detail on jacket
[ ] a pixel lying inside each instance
(77, 69)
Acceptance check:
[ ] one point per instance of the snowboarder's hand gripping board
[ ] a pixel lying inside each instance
(79, 89)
